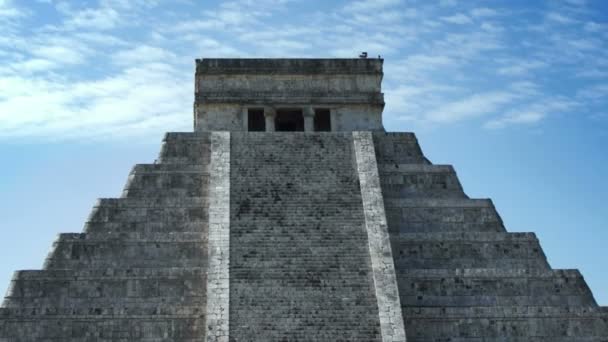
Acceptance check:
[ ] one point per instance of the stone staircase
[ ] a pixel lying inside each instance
(139, 270)
(300, 265)
(461, 276)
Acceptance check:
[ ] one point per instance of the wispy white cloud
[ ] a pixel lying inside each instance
(472, 106)
(532, 113)
(445, 62)
(8, 9)
(516, 67)
(459, 19)
(143, 54)
(137, 95)
(597, 93)
(482, 12)
(370, 5)
(560, 18)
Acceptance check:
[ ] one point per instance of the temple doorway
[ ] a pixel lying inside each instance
(289, 120)
(255, 120)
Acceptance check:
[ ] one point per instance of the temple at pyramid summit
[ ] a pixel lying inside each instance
(290, 214)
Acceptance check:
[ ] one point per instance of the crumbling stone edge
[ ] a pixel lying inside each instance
(383, 268)
(218, 277)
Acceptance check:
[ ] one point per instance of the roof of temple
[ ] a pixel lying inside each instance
(289, 66)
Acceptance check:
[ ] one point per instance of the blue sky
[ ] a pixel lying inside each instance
(513, 93)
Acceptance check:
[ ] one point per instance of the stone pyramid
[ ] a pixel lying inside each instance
(289, 214)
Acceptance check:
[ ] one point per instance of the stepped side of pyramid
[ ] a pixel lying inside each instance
(138, 272)
(461, 275)
(297, 237)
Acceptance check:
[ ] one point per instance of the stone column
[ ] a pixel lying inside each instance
(245, 118)
(309, 119)
(270, 114)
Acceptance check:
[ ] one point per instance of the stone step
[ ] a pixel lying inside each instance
(299, 256)
(398, 148)
(153, 202)
(93, 327)
(467, 250)
(170, 168)
(437, 215)
(185, 148)
(419, 181)
(107, 287)
(72, 251)
(194, 226)
(493, 287)
(191, 184)
(132, 214)
(520, 323)
(132, 237)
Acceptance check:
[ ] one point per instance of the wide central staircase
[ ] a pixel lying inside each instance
(300, 265)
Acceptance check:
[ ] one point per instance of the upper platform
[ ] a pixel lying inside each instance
(288, 94)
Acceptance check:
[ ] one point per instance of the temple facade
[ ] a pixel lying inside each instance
(277, 95)
(290, 214)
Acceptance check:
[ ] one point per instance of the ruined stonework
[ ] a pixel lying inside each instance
(290, 215)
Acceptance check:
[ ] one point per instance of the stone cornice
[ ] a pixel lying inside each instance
(288, 66)
(290, 98)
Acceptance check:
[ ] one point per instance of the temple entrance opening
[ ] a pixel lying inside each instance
(289, 120)
(322, 120)
(255, 120)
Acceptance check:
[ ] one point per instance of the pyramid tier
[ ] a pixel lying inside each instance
(493, 287)
(101, 325)
(442, 215)
(467, 250)
(506, 323)
(419, 181)
(74, 251)
(128, 288)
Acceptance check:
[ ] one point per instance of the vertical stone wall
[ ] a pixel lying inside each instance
(218, 277)
(385, 280)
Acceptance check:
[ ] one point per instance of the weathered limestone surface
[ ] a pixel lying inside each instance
(290, 227)
(138, 273)
(300, 266)
(383, 269)
(296, 236)
(219, 239)
(461, 276)
(350, 88)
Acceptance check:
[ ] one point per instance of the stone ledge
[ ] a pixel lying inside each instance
(415, 168)
(516, 312)
(266, 98)
(110, 273)
(169, 202)
(288, 66)
(187, 136)
(163, 168)
(132, 237)
(465, 236)
(101, 313)
(439, 202)
(489, 273)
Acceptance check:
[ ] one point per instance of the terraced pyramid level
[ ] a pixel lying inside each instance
(342, 235)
